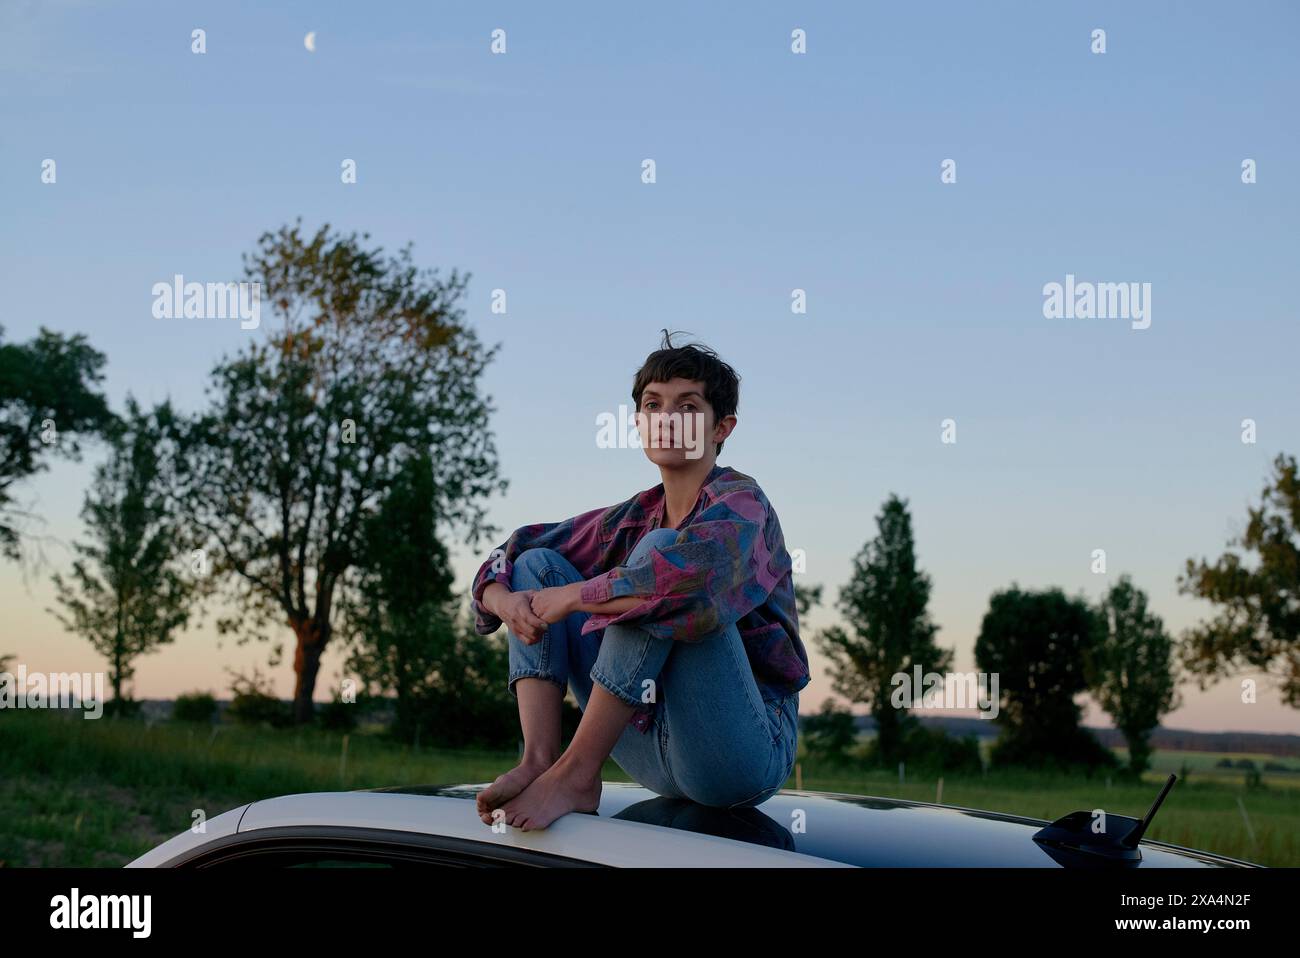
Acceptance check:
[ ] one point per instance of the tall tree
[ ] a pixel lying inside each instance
(401, 616)
(308, 430)
(1258, 624)
(1130, 668)
(49, 402)
(889, 631)
(1038, 643)
(409, 637)
(129, 591)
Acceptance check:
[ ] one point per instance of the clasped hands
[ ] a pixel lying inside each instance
(529, 611)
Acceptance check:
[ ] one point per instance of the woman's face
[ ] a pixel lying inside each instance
(675, 422)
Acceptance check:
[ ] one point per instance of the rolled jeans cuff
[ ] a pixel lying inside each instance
(517, 674)
(618, 691)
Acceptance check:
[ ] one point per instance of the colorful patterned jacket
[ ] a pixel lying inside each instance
(728, 566)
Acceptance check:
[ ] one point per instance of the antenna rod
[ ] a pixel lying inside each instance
(1132, 838)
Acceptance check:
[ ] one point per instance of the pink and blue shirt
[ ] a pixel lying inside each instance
(728, 566)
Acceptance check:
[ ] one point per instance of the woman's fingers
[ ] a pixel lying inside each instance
(528, 615)
(528, 629)
(536, 619)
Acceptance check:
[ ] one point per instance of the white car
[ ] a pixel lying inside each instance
(634, 827)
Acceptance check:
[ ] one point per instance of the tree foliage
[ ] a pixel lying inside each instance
(401, 622)
(307, 431)
(129, 590)
(830, 734)
(888, 628)
(1038, 643)
(49, 402)
(1258, 593)
(1131, 668)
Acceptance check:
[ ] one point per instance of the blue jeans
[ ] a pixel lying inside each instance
(714, 740)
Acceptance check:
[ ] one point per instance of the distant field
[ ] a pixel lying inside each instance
(1203, 767)
(99, 793)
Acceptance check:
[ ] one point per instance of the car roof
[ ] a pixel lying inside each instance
(574, 838)
(861, 830)
(635, 827)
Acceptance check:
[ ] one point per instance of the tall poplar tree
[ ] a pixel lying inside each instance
(131, 587)
(888, 628)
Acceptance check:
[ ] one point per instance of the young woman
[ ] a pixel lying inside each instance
(671, 616)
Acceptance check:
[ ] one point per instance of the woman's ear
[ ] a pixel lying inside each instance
(724, 428)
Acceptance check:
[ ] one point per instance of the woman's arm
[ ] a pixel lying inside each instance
(554, 603)
(489, 593)
(577, 539)
(722, 565)
(514, 610)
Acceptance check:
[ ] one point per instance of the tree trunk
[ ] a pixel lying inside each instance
(116, 708)
(306, 664)
(888, 744)
(1139, 751)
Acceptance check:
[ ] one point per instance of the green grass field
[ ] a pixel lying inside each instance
(99, 793)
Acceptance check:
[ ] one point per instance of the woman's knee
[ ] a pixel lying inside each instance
(531, 564)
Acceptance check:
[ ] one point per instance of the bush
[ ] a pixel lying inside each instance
(936, 751)
(337, 715)
(469, 714)
(194, 707)
(254, 708)
(1074, 752)
(122, 708)
(253, 703)
(830, 735)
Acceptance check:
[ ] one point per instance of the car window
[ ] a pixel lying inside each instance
(360, 848)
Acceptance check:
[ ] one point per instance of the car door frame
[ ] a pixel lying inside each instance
(411, 847)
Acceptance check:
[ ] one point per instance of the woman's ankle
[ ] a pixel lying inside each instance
(539, 758)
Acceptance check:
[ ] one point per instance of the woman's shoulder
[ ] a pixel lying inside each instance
(729, 481)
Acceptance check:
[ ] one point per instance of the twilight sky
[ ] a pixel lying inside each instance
(775, 171)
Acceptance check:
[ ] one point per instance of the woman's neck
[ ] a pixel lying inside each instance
(682, 488)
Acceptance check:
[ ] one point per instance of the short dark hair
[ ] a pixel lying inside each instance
(695, 362)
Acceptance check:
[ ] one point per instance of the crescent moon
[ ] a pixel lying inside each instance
(309, 41)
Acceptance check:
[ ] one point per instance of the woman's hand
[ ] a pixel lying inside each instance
(555, 603)
(515, 610)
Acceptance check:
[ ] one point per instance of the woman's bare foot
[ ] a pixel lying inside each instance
(507, 786)
(560, 789)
